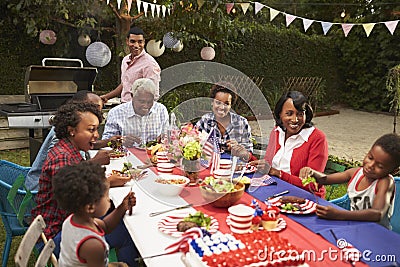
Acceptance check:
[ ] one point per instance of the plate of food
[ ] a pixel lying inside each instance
(118, 151)
(294, 205)
(126, 171)
(175, 225)
(249, 168)
(117, 154)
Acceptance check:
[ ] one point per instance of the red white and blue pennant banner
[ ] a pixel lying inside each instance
(162, 10)
(346, 27)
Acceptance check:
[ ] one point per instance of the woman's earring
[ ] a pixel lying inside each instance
(71, 134)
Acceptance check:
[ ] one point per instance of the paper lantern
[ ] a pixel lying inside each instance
(169, 40)
(47, 37)
(98, 54)
(207, 53)
(84, 40)
(178, 47)
(155, 48)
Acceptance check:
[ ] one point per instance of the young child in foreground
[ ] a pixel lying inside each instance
(370, 188)
(83, 190)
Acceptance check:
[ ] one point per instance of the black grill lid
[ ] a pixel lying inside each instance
(56, 80)
(50, 86)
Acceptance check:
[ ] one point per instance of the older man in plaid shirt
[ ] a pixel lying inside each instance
(140, 120)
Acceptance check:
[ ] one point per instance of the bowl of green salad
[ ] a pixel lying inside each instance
(221, 193)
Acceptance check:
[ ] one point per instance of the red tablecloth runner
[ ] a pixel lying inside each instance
(325, 253)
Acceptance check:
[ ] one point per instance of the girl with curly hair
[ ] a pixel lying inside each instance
(82, 189)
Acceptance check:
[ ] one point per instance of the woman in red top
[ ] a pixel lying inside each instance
(294, 142)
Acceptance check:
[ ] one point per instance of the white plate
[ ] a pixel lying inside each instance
(168, 224)
(306, 208)
(281, 225)
(249, 169)
(113, 101)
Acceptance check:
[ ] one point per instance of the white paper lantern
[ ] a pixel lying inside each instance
(84, 40)
(98, 54)
(178, 47)
(169, 40)
(47, 37)
(207, 53)
(155, 48)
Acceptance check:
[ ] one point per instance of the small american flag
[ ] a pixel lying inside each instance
(211, 150)
(182, 245)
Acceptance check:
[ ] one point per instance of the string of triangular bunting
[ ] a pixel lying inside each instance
(158, 10)
(154, 8)
(346, 27)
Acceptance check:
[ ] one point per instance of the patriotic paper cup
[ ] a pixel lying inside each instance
(162, 157)
(165, 167)
(225, 164)
(240, 218)
(222, 174)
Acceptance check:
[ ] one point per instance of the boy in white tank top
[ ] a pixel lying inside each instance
(83, 190)
(371, 188)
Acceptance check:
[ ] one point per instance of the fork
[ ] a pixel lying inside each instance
(165, 211)
(313, 192)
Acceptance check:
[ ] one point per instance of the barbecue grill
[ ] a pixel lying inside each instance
(46, 88)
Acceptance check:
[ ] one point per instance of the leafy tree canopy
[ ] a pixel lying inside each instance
(208, 23)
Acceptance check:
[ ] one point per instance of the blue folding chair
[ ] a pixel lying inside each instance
(395, 220)
(343, 201)
(15, 203)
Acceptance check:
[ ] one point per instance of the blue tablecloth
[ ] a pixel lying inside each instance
(379, 246)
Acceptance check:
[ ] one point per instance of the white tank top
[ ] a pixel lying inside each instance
(72, 236)
(363, 199)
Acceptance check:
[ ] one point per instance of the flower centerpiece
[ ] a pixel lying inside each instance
(185, 145)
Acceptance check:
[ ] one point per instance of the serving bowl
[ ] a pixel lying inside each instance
(170, 185)
(223, 199)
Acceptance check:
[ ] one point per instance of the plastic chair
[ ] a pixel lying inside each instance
(343, 201)
(395, 220)
(25, 248)
(10, 204)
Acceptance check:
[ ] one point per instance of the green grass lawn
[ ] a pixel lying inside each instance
(21, 157)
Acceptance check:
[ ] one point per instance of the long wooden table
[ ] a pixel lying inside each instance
(150, 241)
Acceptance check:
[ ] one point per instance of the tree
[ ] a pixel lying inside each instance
(208, 23)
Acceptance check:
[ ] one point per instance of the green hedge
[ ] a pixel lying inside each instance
(273, 54)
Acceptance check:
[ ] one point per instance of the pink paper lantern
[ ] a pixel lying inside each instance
(207, 53)
(47, 37)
